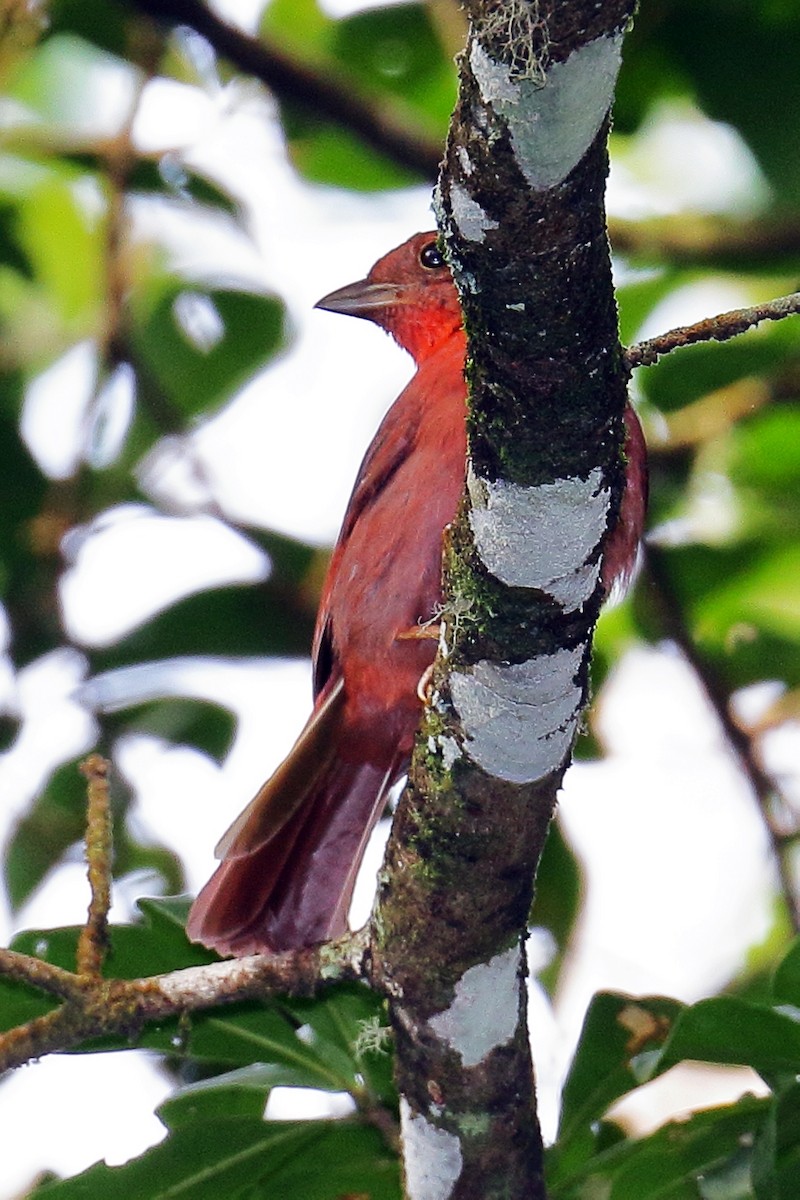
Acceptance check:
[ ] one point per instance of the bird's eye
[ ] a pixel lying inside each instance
(430, 257)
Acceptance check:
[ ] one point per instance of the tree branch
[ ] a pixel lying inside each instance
(25, 968)
(712, 329)
(380, 125)
(99, 1007)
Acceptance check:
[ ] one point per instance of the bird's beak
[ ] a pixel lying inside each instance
(363, 299)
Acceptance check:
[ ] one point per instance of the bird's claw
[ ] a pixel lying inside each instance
(424, 685)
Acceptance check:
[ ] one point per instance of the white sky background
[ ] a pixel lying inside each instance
(676, 862)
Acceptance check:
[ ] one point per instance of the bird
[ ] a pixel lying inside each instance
(289, 861)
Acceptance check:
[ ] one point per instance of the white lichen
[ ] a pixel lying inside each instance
(468, 215)
(451, 751)
(431, 1156)
(484, 1013)
(465, 162)
(541, 536)
(553, 117)
(494, 80)
(519, 719)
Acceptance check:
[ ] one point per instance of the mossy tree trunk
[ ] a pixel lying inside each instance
(521, 206)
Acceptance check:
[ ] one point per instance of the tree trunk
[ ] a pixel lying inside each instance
(520, 204)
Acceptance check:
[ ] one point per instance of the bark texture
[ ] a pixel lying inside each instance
(520, 204)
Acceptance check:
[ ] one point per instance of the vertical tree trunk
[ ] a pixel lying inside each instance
(520, 203)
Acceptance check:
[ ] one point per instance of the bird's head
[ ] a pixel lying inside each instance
(409, 292)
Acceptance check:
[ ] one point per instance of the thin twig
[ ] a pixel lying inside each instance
(44, 976)
(117, 1007)
(38, 1037)
(338, 100)
(713, 329)
(765, 790)
(93, 937)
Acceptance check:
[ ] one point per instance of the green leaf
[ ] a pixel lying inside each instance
(765, 453)
(244, 1156)
(21, 174)
(290, 560)
(9, 730)
(726, 1029)
(56, 821)
(206, 725)
(693, 371)
(341, 1031)
(776, 1158)
(252, 620)
(34, 333)
(28, 564)
(721, 53)
(701, 579)
(766, 595)
(102, 22)
(705, 1156)
(156, 944)
(240, 1093)
(157, 866)
(20, 1003)
(66, 83)
(14, 261)
(201, 345)
(300, 24)
(649, 72)
(170, 176)
(617, 1031)
(786, 984)
(722, 46)
(248, 1033)
(397, 50)
(390, 54)
(304, 1043)
(64, 243)
(323, 152)
(761, 457)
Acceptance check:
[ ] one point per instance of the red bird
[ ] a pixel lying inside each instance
(291, 858)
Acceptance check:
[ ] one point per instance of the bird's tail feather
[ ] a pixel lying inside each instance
(295, 888)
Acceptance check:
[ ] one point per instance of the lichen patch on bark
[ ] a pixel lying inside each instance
(484, 1012)
(520, 719)
(553, 117)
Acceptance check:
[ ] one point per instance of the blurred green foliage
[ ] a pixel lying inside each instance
(723, 419)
